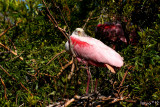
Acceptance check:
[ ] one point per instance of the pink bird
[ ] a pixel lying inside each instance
(111, 32)
(91, 51)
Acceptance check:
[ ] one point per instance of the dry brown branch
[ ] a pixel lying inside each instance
(18, 55)
(117, 100)
(69, 102)
(64, 68)
(6, 72)
(69, 63)
(87, 20)
(66, 59)
(9, 28)
(15, 80)
(35, 70)
(14, 53)
(62, 16)
(5, 93)
(47, 75)
(123, 79)
(56, 56)
(93, 18)
(61, 71)
(57, 76)
(5, 31)
(54, 21)
(60, 62)
(53, 77)
(33, 75)
(60, 29)
(91, 99)
(13, 45)
(122, 99)
(122, 92)
(72, 70)
(25, 89)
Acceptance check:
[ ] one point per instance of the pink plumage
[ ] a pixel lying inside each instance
(92, 51)
(111, 33)
(89, 50)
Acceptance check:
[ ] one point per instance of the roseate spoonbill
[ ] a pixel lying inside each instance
(117, 32)
(91, 51)
(131, 32)
(110, 32)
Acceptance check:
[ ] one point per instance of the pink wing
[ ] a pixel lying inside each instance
(91, 49)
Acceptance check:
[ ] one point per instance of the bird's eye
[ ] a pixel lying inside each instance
(79, 32)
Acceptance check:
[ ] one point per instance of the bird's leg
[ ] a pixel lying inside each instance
(91, 81)
(97, 78)
(89, 77)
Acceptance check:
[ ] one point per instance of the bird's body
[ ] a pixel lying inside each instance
(111, 33)
(91, 51)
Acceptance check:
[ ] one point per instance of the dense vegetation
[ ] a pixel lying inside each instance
(30, 75)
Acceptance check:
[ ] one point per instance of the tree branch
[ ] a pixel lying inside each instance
(62, 16)
(56, 56)
(5, 31)
(87, 20)
(55, 22)
(123, 79)
(5, 93)
(15, 80)
(63, 32)
(14, 53)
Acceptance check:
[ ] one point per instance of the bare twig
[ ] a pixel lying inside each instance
(68, 102)
(124, 79)
(72, 70)
(15, 80)
(13, 45)
(88, 19)
(116, 100)
(57, 76)
(61, 71)
(60, 62)
(91, 98)
(6, 72)
(14, 53)
(62, 16)
(60, 29)
(5, 93)
(66, 59)
(54, 21)
(18, 55)
(64, 68)
(9, 28)
(56, 56)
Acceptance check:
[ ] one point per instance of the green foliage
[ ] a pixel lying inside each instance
(31, 82)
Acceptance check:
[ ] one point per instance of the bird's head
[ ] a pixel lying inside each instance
(79, 32)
